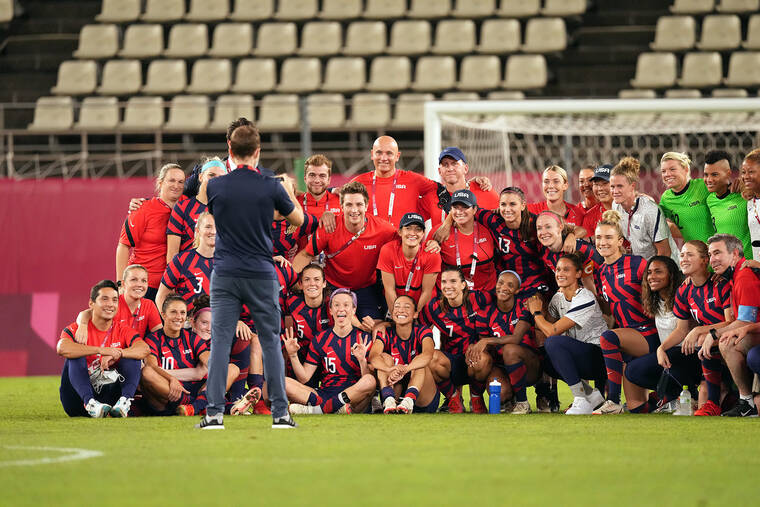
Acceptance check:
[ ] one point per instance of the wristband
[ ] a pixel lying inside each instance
(714, 334)
(537, 313)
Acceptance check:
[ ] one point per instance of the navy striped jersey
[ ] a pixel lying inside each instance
(516, 253)
(705, 303)
(182, 221)
(458, 326)
(587, 251)
(308, 322)
(620, 285)
(494, 322)
(176, 353)
(404, 350)
(283, 241)
(189, 275)
(332, 354)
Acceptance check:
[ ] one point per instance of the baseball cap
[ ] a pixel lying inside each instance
(412, 218)
(453, 152)
(465, 197)
(602, 172)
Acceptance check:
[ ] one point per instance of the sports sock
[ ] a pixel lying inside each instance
(332, 405)
(412, 392)
(255, 380)
(447, 388)
(387, 392)
(477, 388)
(518, 378)
(587, 389)
(711, 369)
(80, 378)
(613, 360)
(314, 400)
(641, 409)
(200, 403)
(130, 370)
(577, 390)
(748, 398)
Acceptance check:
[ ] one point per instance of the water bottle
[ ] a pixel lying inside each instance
(684, 403)
(494, 397)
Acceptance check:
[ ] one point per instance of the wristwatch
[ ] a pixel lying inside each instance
(714, 334)
(537, 313)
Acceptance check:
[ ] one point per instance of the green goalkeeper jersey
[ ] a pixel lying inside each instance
(688, 210)
(729, 216)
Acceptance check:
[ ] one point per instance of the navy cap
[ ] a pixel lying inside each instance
(464, 197)
(453, 152)
(602, 172)
(411, 218)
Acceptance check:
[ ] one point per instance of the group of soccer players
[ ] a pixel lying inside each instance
(520, 293)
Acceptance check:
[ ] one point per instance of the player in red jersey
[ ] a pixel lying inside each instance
(554, 186)
(318, 199)
(144, 231)
(340, 354)
(405, 267)
(585, 185)
(401, 355)
(101, 376)
(600, 184)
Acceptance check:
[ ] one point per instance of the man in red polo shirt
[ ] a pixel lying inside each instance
(317, 199)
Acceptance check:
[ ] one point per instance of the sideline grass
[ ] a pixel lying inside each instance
(440, 459)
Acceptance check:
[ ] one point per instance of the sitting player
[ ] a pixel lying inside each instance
(88, 384)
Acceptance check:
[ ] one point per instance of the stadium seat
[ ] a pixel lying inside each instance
(143, 113)
(232, 39)
(275, 39)
(53, 113)
(637, 94)
(460, 96)
(429, 9)
(163, 11)
(365, 38)
(188, 113)
(385, 9)
(454, 37)
(76, 78)
(299, 75)
(545, 35)
(470, 9)
(121, 77)
(524, 72)
(143, 41)
(119, 11)
(389, 74)
(753, 33)
(326, 110)
(701, 70)
(340, 9)
(729, 93)
(564, 8)
(252, 10)
(655, 70)
(231, 107)
(499, 36)
(98, 113)
(409, 38)
(435, 73)
(210, 76)
(518, 8)
(292, 10)
(683, 93)
(278, 112)
(409, 111)
(503, 95)
(165, 77)
(743, 70)
(321, 38)
(187, 40)
(370, 110)
(6, 10)
(720, 33)
(738, 6)
(692, 6)
(479, 73)
(345, 74)
(208, 10)
(674, 33)
(255, 75)
(98, 41)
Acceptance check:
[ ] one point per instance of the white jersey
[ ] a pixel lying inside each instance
(584, 310)
(753, 222)
(647, 226)
(665, 321)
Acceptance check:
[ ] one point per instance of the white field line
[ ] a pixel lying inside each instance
(72, 454)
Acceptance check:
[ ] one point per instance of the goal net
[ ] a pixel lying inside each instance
(511, 142)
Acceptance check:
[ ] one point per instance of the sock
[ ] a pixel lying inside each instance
(80, 378)
(447, 388)
(641, 409)
(711, 369)
(412, 393)
(130, 370)
(577, 390)
(334, 404)
(748, 398)
(587, 389)
(314, 400)
(255, 380)
(517, 377)
(613, 360)
(200, 403)
(477, 388)
(387, 392)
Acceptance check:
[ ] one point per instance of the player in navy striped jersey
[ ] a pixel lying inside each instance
(401, 355)
(308, 309)
(286, 237)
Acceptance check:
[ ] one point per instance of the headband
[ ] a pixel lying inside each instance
(552, 214)
(200, 311)
(214, 163)
(519, 280)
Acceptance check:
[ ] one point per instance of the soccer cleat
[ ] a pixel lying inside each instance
(406, 406)
(708, 409)
(211, 423)
(246, 401)
(185, 410)
(553, 399)
(301, 409)
(667, 408)
(389, 406)
(542, 405)
(376, 405)
(284, 423)
(345, 409)
(580, 406)
(609, 407)
(595, 398)
(97, 410)
(261, 408)
(741, 409)
(507, 407)
(478, 405)
(521, 408)
(121, 407)
(456, 406)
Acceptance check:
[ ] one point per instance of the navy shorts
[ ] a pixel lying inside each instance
(458, 375)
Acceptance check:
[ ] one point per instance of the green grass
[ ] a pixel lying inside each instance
(442, 459)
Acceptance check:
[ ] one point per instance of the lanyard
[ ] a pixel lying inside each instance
(108, 335)
(411, 272)
(631, 213)
(391, 198)
(348, 243)
(134, 315)
(474, 249)
(254, 169)
(327, 200)
(754, 205)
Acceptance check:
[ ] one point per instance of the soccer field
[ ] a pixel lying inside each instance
(443, 459)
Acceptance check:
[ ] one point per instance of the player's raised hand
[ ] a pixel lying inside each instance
(432, 246)
(291, 344)
(81, 335)
(443, 232)
(483, 182)
(367, 323)
(243, 331)
(359, 349)
(327, 222)
(135, 203)
(282, 261)
(379, 328)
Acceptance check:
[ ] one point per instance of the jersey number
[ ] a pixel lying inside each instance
(167, 363)
(504, 244)
(450, 327)
(299, 330)
(330, 364)
(604, 293)
(199, 288)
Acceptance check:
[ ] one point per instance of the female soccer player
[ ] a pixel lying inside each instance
(341, 354)
(573, 324)
(554, 185)
(201, 317)
(144, 230)
(401, 355)
(309, 309)
(685, 200)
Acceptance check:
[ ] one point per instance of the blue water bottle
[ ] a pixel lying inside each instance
(494, 397)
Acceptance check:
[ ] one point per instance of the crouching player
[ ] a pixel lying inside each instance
(88, 384)
(341, 354)
(400, 356)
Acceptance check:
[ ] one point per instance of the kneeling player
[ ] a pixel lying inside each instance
(341, 353)
(400, 357)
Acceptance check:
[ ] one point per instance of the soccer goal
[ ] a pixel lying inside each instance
(513, 141)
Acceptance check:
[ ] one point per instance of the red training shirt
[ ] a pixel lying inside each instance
(574, 214)
(145, 317)
(329, 202)
(392, 261)
(118, 336)
(485, 271)
(410, 187)
(486, 200)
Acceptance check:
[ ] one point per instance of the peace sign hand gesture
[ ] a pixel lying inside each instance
(291, 344)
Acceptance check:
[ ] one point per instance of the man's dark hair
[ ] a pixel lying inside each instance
(238, 123)
(244, 141)
(713, 156)
(103, 284)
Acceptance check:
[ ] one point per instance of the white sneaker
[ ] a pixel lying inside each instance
(580, 406)
(406, 406)
(298, 408)
(96, 409)
(609, 407)
(595, 398)
(121, 408)
(389, 405)
(521, 408)
(668, 408)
